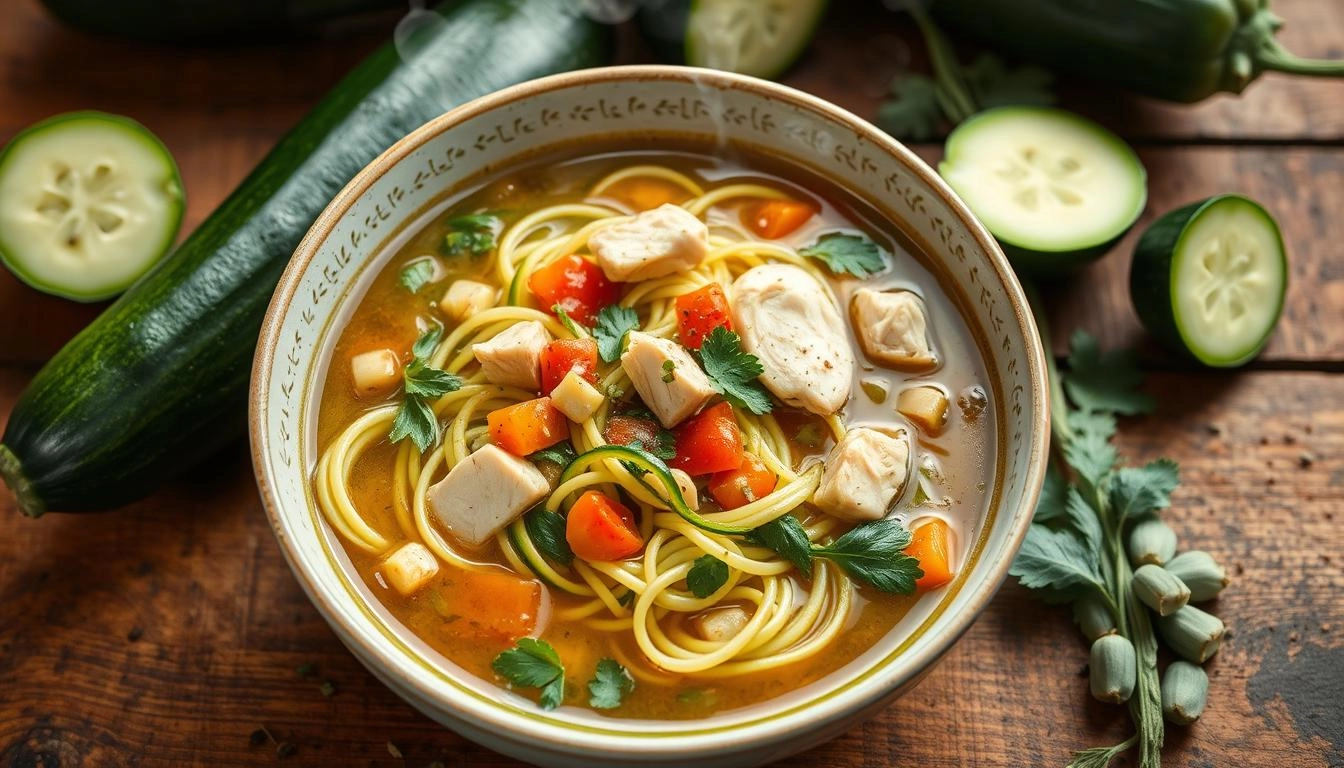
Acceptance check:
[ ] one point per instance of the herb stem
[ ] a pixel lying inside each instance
(955, 97)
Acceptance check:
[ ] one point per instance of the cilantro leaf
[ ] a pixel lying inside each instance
(1056, 561)
(414, 418)
(547, 531)
(417, 274)
(611, 682)
(571, 325)
(706, 576)
(561, 454)
(1050, 506)
(430, 382)
(425, 345)
(841, 252)
(1106, 382)
(473, 234)
(786, 536)
(613, 323)
(1084, 522)
(732, 372)
(1137, 492)
(913, 112)
(875, 553)
(533, 664)
(995, 85)
(1092, 457)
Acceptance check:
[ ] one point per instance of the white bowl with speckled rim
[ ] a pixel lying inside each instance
(352, 240)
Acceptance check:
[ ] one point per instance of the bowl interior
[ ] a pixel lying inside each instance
(396, 194)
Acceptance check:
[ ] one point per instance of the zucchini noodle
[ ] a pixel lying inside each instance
(645, 599)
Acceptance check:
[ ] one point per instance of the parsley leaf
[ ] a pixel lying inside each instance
(707, 575)
(613, 323)
(473, 234)
(611, 682)
(414, 418)
(1091, 456)
(913, 112)
(561, 454)
(417, 274)
(786, 536)
(732, 372)
(875, 553)
(547, 531)
(840, 252)
(1050, 506)
(995, 85)
(1083, 520)
(533, 664)
(1055, 560)
(1106, 382)
(1137, 492)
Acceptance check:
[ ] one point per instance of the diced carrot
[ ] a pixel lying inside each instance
(709, 442)
(564, 355)
(492, 605)
(700, 312)
(600, 528)
(774, 219)
(528, 427)
(645, 193)
(624, 430)
(737, 487)
(576, 284)
(929, 545)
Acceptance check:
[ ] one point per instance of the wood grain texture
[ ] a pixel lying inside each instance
(168, 632)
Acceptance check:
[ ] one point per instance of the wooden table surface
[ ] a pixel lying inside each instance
(168, 632)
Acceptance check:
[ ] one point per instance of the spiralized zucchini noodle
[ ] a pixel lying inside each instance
(644, 597)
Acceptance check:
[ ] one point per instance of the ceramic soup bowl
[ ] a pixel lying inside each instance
(349, 244)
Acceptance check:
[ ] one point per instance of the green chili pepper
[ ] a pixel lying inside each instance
(1179, 50)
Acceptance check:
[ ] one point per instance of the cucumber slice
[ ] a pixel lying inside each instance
(1056, 189)
(1209, 279)
(88, 202)
(761, 38)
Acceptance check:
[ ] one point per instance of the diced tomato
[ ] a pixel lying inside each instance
(709, 442)
(528, 427)
(929, 545)
(700, 312)
(774, 219)
(600, 528)
(577, 285)
(739, 487)
(564, 355)
(490, 605)
(624, 430)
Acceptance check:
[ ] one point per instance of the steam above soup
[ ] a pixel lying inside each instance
(689, 431)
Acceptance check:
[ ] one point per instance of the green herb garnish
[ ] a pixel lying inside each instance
(611, 682)
(844, 253)
(415, 419)
(533, 664)
(561, 454)
(707, 575)
(547, 531)
(669, 371)
(417, 274)
(733, 372)
(786, 536)
(571, 325)
(613, 323)
(873, 553)
(473, 234)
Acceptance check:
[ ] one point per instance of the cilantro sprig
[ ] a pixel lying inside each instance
(546, 529)
(415, 418)
(610, 684)
(473, 234)
(417, 273)
(733, 372)
(612, 325)
(533, 663)
(844, 253)
(873, 553)
(708, 574)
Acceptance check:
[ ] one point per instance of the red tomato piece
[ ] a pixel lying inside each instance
(564, 355)
(700, 312)
(624, 430)
(709, 442)
(600, 528)
(739, 487)
(577, 285)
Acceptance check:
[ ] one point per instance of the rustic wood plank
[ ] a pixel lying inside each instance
(168, 632)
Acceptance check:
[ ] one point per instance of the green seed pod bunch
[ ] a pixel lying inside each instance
(1185, 690)
(1193, 634)
(1200, 572)
(1160, 589)
(1151, 541)
(1093, 616)
(1113, 668)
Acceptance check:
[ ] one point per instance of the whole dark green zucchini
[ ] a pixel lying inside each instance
(178, 21)
(1179, 50)
(159, 380)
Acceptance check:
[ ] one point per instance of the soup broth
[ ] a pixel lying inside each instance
(477, 605)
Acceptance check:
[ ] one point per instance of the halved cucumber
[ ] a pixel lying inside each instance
(1209, 279)
(1056, 189)
(88, 202)
(752, 37)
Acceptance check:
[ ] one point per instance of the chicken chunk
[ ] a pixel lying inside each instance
(660, 242)
(719, 625)
(409, 568)
(789, 321)
(465, 298)
(865, 472)
(485, 492)
(893, 329)
(513, 357)
(666, 376)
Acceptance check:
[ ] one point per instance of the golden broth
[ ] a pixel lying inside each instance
(956, 464)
